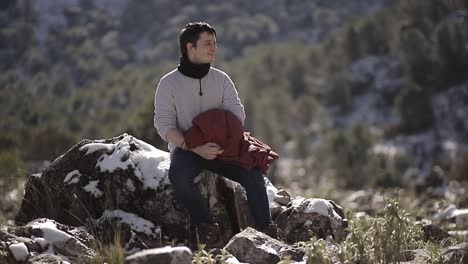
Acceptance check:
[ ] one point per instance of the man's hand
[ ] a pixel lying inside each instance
(208, 151)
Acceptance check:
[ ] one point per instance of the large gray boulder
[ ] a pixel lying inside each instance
(254, 247)
(119, 179)
(120, 186)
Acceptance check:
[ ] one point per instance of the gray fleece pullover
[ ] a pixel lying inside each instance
(177, 100)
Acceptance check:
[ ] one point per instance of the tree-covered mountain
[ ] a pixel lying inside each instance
(339, 84)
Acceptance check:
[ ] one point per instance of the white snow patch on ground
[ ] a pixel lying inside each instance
(20, 251)
(92, 188)
(135, 222)
(150, 164)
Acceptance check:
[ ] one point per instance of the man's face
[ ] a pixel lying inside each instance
(204, 51)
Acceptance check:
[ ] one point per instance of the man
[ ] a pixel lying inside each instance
(182, 94)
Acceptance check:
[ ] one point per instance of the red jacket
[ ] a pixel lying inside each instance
(225, 129)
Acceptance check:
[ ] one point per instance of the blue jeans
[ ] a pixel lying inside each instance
(186, 165)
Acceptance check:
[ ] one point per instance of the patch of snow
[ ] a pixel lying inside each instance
(42, 242)
(72, 177)
(92, 188)
(271, 193)
(232, 260)
(93, 147)
(268, 249)
(51, 233)
(316, 205)
(130, 185)
(150, 164)
(20, 251)
(130, 243)
(387, 150)
(135, 222)
(451, 211)
(37, 175)
(13, 195)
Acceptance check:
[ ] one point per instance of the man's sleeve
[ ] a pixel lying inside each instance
(164, 109)
(231, 100)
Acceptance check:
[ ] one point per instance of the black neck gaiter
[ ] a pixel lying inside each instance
(189, 69)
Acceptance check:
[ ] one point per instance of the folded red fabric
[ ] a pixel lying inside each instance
(225, 129)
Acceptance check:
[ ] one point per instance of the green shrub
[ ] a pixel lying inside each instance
(383, 239)
(12, 175)
(348, 154)
(12, 170)
(49, 141)
(112, 253)
(316, 252)
(201, 256)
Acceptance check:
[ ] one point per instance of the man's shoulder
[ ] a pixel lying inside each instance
(171, 75)
(219, 73)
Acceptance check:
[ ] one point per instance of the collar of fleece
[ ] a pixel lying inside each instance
(192, 70)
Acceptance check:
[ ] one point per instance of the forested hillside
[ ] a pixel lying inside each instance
(342, 86)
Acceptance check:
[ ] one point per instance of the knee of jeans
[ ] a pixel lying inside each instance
(256, 179)
(182, 175)
(180, 186)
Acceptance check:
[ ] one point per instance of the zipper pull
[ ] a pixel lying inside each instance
(200, 92)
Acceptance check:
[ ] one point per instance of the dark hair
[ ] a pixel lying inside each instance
(191, 32)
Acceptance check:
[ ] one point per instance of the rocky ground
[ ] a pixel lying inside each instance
(104, 190)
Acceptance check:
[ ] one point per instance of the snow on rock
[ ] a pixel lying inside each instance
(135, 222)
(316, 205)
(167, 254)
(272, 194)
(304, 218)
(51, 233)
(92, 188)
(93, 147)
(149, 163)
(42, 242)
(72, 177)
(450, 212)
(19, 251)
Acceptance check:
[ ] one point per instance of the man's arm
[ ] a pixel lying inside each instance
(207, 151)
(165, 115)
(231, 100)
